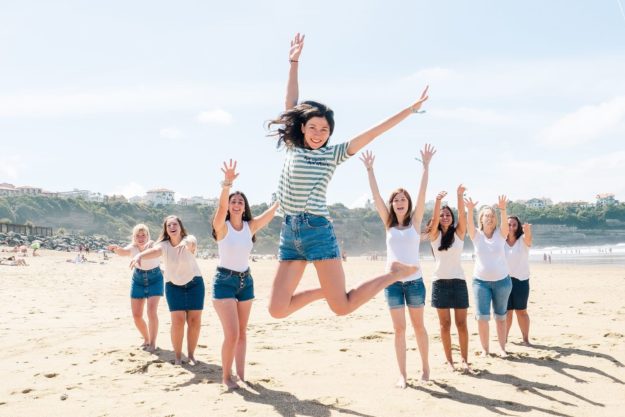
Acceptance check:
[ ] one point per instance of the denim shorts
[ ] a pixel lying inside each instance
(147, 283)
(233, 284)
(496, 292)
(519, 295)
(410, 293)
(450, 293)
(189, 296)
(307, 237)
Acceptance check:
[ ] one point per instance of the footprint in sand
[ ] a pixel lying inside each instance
(614, 335)
(51, 375)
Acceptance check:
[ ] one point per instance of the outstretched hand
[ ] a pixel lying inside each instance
(417, 105)
(461, 190)
(229, 171)
(135, 262)
(297, 44)
(367, 158)
(502, 202)
(441, 195)
(470, 203)
(426, 154)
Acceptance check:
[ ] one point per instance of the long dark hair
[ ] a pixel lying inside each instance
(291, 122)
(519, 229)
(247, 213)
(392, 218)
(448, 237)
(165, 235)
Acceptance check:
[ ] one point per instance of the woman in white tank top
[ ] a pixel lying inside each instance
(233, 287)
(402, 244)
(449, 287)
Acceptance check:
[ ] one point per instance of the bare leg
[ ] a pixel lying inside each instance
(460, 315)
(228, 316)
(399, 325)
(332, 280)
(444, 319)
(416, 317)
(136, 305)
(194, 323)
(509, 318)
(177, 333)
(283, 302)
(483, 331)
(524, 324)
(153, 321)
(244, 308)
(501, 336)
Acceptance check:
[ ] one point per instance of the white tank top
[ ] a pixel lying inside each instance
(448, 261)
(402, 245)
(517, 256)
(235, 248)
(490, 257)
(146, 264)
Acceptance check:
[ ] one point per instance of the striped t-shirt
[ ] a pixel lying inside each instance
(305, 177)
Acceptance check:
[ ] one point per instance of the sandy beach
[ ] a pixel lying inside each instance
(68, 347)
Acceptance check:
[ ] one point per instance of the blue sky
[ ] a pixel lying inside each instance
(526, 98)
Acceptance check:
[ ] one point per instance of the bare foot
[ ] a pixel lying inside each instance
(425, 375)
(150, 348)
(230, 384)
(400, 270)
(526, 342)
(450, 365)
(401, 382)
(502, 353)
(483, 354)
(192, 360)
(178, 362)
(465, 368)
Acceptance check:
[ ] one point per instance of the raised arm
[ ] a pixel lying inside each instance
(470, 216)
(292, 87)
(368, 158)
(527, 234)
(504, 228)
(219, 221)
(263, 220)
(436, 215)
(363, 139)
(417, 214)
(118, 250)
(461, 229)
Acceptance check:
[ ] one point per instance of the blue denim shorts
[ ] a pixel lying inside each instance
(450, 293)
(147, 283)
(410, 293)
(189, 296)
(519, 295)
(496, 292)
(307, 237)
(233, 284)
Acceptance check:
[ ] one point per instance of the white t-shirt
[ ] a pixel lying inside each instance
(179, 263)
(448, 261)
(517, 256)
(146, 264)
(490, 256)
(402, 245)
(235, 248)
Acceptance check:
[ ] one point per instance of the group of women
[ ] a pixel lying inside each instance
(307, 236)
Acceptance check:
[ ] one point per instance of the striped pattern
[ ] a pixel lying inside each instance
(305, 177)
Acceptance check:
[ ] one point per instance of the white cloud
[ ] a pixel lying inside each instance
(170, 133)
(585, 125)
(472, 115)
(215, 117)
(10, 166)
(130, 190)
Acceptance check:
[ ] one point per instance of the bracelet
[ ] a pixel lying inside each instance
(225, 183)
(292, 60)
(417, 111)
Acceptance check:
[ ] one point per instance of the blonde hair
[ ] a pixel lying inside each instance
(483, 211)
(140, 228)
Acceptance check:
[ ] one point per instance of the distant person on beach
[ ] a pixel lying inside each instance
(146, 285)
(491, 280)
(449, 286)
(403, 236)
(234, 229)
(307, 234)
(13, 261)
(184, 288)
(517, 254)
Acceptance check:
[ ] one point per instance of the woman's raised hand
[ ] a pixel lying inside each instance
(502, 202)
(470, 203)
(229, 171)
(461, 190)
(441, 195)
(426, 154)
(297, 44)
(417, 105)
(367, 158)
